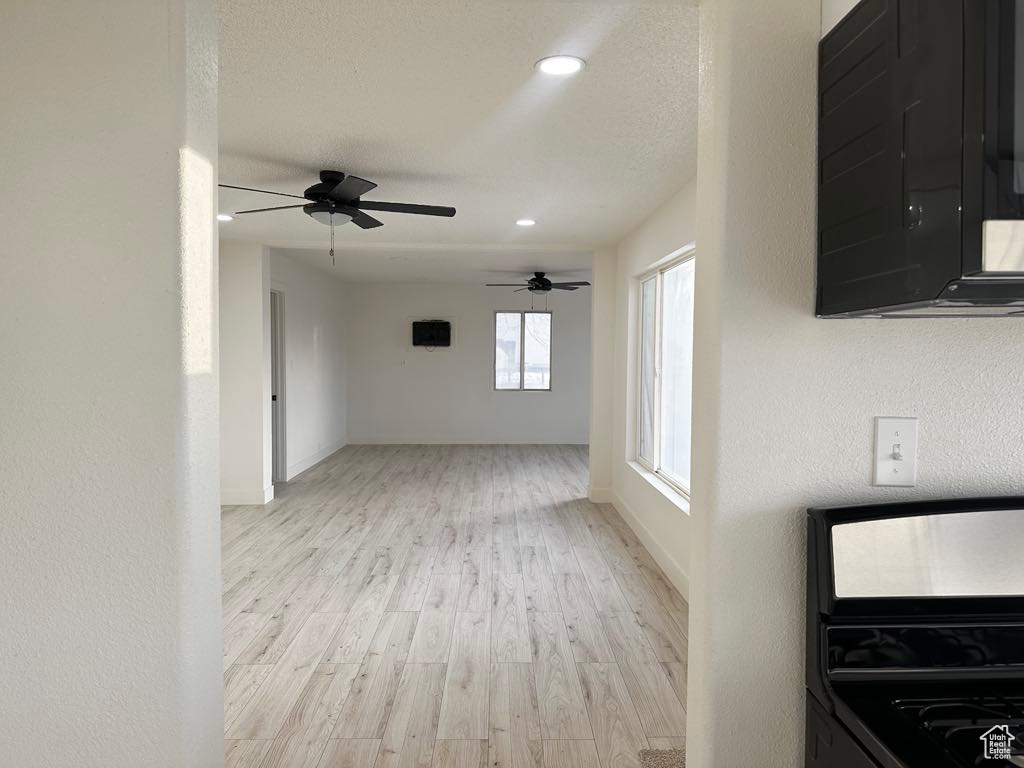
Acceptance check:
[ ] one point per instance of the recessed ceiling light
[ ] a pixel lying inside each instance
(560, 65)
(525, 223)
(224, 217)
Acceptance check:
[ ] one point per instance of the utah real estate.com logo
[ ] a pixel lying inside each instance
(996, 742)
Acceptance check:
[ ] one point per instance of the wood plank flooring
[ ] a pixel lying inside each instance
(446, 606)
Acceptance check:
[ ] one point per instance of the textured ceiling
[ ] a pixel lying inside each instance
(438, 102)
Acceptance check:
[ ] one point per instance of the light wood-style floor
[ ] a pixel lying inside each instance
(446, 606)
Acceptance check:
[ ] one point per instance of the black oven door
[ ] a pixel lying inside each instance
(1001, 135)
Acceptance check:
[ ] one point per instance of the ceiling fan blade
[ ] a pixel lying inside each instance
(504, 285)
(264, 191)
(557, 287)
(522, 289)
(365, 221)
(424, 210)
(279, 208)
(568, 285)
(349, 188)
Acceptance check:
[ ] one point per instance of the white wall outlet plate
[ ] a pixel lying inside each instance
(895, 451)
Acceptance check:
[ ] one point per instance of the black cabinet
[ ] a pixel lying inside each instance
(919, 203)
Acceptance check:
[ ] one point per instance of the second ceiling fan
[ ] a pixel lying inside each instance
(540, 284)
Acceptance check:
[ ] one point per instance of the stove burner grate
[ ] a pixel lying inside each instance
(957, 725)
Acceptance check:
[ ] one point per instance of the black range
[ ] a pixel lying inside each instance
(915, 635)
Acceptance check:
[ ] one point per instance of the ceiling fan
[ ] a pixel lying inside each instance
(540, 284)
(336, 200)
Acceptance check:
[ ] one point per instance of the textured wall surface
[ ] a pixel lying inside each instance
(832, 11)
(604, 276)
(404, 394)
(786, 401)
(246, 439)
(109, 543)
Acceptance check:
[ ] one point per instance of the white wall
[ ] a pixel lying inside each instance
(787, 400)
(832, 12)
(109, 548)
(604, 274)
(646, 503)
(315, 344)
(246, 447)
(402, 394)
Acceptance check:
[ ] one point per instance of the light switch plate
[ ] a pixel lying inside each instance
(895, 451)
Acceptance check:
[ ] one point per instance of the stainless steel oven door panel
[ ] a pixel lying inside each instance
(970, 554)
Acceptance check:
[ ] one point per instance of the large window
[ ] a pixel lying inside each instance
(665, 382)
(522, 351)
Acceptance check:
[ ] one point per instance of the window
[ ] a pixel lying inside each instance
(522, 351)
(665, 381)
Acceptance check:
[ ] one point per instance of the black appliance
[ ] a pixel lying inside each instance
(431, 333)
(915, 635)
(921, 160)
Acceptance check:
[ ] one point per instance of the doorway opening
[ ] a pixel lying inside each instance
(279, 469)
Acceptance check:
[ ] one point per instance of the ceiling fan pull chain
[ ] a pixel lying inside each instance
(332, 240)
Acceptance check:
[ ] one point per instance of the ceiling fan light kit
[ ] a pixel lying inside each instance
(331, 215)
(337, 200)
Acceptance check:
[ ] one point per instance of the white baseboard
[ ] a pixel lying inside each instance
(668, 564)
(601, 495)
(303, 464)
(247, 498)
